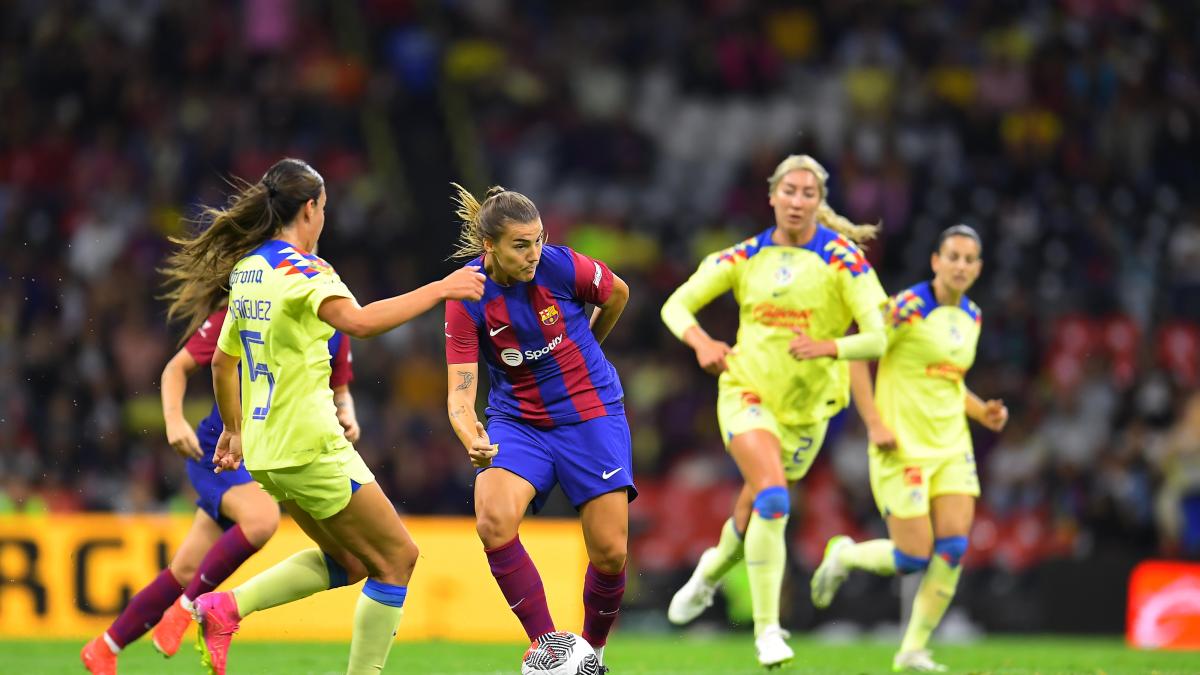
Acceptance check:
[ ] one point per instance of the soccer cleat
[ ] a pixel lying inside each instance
(773, 652)
(694, 597)
(98, 658)
(170, 629)
(920, 660)
(830, 573)
(217, 619)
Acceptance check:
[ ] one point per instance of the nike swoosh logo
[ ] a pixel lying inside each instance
(604, 613)
(205, 580)
(609, 474)
(494, 332)
(448, 328)
(514, 606)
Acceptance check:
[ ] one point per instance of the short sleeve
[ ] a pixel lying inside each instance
(229, 341)
(316, 290)
(203, 342)
(593, 279)
(462, 334)
(343, 370)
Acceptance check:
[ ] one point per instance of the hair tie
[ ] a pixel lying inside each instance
(271, 191)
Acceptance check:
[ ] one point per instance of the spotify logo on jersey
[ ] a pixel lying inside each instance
(511, 356)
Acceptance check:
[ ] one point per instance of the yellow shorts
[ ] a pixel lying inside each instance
(740, 410)
(903, 487)
(322, 487)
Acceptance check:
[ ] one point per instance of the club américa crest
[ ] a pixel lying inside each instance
(549, 315)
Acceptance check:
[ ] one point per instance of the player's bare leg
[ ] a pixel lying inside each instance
(605, 521)
(757, 453)
(501, 498)
(951, 522)
(168, 633)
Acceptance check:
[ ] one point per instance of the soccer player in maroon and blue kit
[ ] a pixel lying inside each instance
(555, 411)
(235, 517)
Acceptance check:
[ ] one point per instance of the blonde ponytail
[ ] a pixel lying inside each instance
(486, 221)
(857, 233)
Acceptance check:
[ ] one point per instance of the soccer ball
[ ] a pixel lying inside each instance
(560, 653)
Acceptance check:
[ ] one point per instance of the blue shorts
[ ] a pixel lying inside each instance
(587, 459)
(211, 487)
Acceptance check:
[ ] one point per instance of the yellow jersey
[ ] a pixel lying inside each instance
(820, 287)
(919, 389)
(288, 415)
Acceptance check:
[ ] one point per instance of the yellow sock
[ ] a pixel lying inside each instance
(297, 577)
(376, 618)
(766, 560)
(933, 597)
(730, 549)
(875, 556)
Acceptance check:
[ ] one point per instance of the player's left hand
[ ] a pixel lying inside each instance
(482, 448)
(350, 427)
(804, 347)
(228, 455)
(995, 414)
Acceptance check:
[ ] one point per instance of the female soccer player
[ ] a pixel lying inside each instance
(235, 517)
(799, 284)
(921, 459)
(284, 305)
(555, 412)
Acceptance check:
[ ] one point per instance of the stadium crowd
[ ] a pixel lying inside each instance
(1066, 133)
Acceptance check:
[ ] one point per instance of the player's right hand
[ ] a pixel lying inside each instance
(228, 455)
(881, 437)
(482, 449)
(464, 284)
(183, 438)
(711, 356)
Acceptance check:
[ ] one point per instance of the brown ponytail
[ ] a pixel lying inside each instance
(197, 272)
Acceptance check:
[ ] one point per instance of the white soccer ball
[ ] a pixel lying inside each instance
(560, 653)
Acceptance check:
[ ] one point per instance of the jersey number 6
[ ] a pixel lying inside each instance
(257, 370)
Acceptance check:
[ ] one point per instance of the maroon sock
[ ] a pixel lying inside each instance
(522, 586)
(230, 551)
(145, 609)
(602, 595)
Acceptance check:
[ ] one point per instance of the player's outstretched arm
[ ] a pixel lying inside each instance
(605, 316)
(460, 406)
(180, 434)
(864, 402)
(992, 413)
(346, 315)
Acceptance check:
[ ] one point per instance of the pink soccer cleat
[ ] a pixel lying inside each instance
(217, 617)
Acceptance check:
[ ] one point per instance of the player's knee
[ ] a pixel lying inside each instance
(183, 571)
(493, 529)
(610, 559)
(951, 549)
(907, 564)
(772, 503)
(260, 528)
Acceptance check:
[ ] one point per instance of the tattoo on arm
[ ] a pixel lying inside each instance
(467, 377)
(460, 410)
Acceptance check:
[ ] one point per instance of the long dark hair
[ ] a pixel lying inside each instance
(197, 272)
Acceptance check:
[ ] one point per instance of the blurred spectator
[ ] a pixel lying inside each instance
(1067, 136)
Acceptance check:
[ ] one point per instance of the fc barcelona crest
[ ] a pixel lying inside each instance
(549, 316)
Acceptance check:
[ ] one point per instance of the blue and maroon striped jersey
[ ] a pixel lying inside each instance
(545, 365)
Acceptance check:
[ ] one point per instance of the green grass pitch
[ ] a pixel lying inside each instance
(662, 655)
